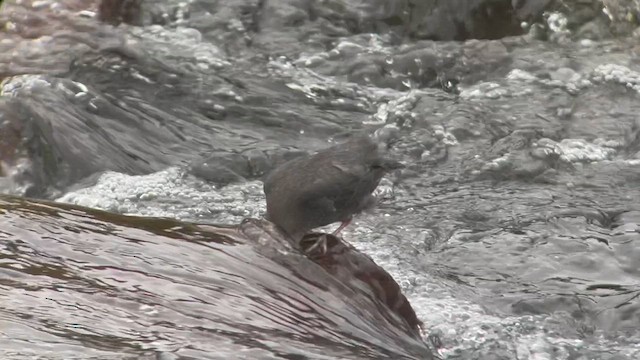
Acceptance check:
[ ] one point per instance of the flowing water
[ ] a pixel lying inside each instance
(513, 230)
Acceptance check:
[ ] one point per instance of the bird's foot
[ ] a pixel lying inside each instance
(320, 243)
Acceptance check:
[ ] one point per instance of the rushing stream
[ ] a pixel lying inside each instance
(134, 135)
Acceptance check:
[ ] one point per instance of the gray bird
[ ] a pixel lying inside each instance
(329, 186)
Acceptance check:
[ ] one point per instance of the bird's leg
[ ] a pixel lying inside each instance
(343, 225)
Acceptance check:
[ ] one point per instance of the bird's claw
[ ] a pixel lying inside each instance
(321, 243)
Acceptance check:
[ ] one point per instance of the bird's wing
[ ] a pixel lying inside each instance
(278, 174)
(348, 172)
(336, 184)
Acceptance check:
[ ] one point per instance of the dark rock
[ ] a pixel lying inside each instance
(281, 27)
(222, 168)
(120, 11)
(345, 262)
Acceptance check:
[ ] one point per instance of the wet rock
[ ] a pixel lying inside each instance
(451, 20)
(517, 140)
(624, 15)
(120, 11)
(69, 147)
(286, 24)
(345, 262)
(236, 277)
(589, 19)
(222, 168)
(593, 30)
(258, 161)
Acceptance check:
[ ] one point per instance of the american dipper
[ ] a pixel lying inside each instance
(329, 186)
